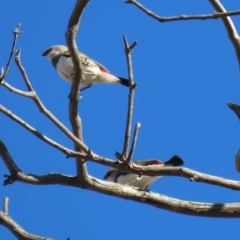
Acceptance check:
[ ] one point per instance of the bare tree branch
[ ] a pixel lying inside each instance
(168, 171)
(231, 30)
(127, 192)
(82, 153)
(128, 50)
(16, 90)
(214, 15)
(39, 135)
(171, 204)
(15, 34)
(14, 228)
(18, 175)
(138, 125)
(5, 205)
(121, 166)
(75, 119)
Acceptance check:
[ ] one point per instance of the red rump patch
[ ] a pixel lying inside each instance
(106, 71)
(157, 163)
(103, 70)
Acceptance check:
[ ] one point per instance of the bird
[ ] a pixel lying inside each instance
(141, 182)
(93, 71)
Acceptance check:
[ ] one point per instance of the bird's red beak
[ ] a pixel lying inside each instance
(45, 54)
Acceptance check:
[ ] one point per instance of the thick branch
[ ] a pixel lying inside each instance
(231, 30)
(17, 230)
(121, 166)
(127, 192)
(168, 171)
(149, 198)
(223, 210)
(75, 119)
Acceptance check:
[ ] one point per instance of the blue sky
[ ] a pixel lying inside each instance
(186, 72)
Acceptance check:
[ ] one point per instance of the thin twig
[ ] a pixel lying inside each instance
(22, 70)
(5, 205)
(75, 119)
(15, 34)
(214, 15)
(127, 192)
(128, 50)
(137, 126)
(39, 135)
(16, 90)
(17, 230)
(237, 161)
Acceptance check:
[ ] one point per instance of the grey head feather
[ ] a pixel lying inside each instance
(56, 58)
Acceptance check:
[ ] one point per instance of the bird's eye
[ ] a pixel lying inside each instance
(49, 50)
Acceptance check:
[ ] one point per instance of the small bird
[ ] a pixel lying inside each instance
(144, 181)
(93, 71)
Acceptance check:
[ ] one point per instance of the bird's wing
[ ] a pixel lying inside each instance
(87, 60)
(66, 54)
(101, 66)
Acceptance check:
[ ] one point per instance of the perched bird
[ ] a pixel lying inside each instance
(93, 71)
(141, 182)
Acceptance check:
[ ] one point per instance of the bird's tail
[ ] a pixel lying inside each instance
(124, 81)
(174, 161)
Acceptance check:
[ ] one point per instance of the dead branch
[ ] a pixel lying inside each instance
(15, 34)
(75, 119)
(16, 229)
(231, 30)
(128, 49)
(39, 135)
(126, 192)
(192, 175)
(16, 90)
(134, 141)
(162, 19)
